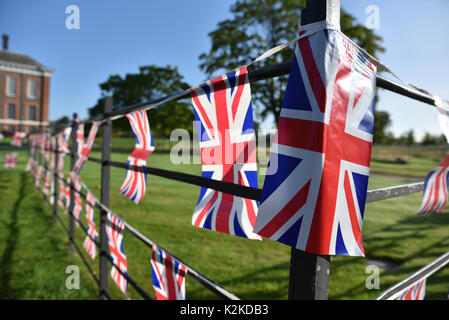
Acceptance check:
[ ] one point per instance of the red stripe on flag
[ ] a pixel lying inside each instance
(287, 212)
(353, 213)
(313, 74)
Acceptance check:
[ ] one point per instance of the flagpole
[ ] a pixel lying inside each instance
(309, 273)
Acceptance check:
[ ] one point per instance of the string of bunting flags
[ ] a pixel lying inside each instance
(313, 200)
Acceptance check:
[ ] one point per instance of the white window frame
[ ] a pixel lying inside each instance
(32, 94)
(9, 87)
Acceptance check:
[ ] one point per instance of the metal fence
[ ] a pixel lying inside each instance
(309, 273)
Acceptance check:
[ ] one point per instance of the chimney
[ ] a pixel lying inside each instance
(5, 41)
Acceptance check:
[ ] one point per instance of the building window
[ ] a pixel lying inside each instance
(11, 86)
(11, 111)
(32, 113)
(32, 89)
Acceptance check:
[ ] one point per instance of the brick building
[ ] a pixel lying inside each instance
(24, 91)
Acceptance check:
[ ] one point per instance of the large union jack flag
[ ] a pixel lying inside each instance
(314, 198)
(10, 160)
(436, 188)
(114, 232)
(84, 147)
(224, 114)
(135, 184)
(92, 234)
(168, 276)
(414, 292)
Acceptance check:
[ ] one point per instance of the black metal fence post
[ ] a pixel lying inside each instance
(73, 151)
(105, 183)
(309, 273)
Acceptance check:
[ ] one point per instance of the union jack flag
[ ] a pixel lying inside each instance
(168, 276)
(114, 232)
(224, 114)
(415, 292)
(84, 148)
(315, 199)
(135, 184)
(38, 176)
(46, 189)
(17, 139)
(62, 190)
(78, 204)
(10, 160)
(63, 138)
(67, 195)
(89, 244)
(436, 188)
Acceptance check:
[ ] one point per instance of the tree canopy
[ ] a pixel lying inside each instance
(149, 83)
(258, 25)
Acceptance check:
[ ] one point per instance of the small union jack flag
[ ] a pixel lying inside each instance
(436, 188)
(415, 292)
(78, 204)
(224, 114)
(63, 138)
(135, 184)
(315, 200)
(89, 244)
(67, 195)
(114, 232)
(38, 176)
(168, 276)
(17, 139)
(62, 190)
(84, 147)
(10, 160)
(46, 189)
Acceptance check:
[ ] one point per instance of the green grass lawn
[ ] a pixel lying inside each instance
(33, 250)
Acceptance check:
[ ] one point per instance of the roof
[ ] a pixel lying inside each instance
(21, 61)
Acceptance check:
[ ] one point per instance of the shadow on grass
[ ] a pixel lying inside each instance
(5, 260)
(404, 230)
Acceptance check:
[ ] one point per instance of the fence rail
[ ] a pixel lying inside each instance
(308, 272)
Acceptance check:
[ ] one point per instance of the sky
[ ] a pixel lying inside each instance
(116, 37)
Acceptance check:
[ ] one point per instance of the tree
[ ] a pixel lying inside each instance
(407, 138)
(258, 25)
(150, 83)
(381, 122)
(430, 139)
(59, 123)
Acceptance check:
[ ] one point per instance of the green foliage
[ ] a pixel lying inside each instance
(381, 122)
(408, 138)
(151, 82)
(430, 139)
(257, 26)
